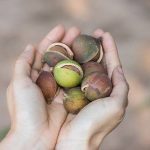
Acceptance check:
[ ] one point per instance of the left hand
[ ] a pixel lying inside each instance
(34, 124)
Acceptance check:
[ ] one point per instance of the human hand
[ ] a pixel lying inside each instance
(87, 129)
(34, 124)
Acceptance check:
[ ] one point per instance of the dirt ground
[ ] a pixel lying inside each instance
(27, 21)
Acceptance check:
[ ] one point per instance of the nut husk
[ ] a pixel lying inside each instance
(74, 100)
(48, 85)
(62, 48)
(87, 48)
(57, 52)
(96, 86)
(91, 67)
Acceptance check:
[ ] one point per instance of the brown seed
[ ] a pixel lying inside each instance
(48, 85)
(91, 67)
(74, 100)
(87, 48)
(96, 86)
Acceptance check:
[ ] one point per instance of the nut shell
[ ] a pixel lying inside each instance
(53, 57)
(48, 85)
(91, 67)
(57, 52)
(87, 48)
(58, 48)
(96, 86)
(74, 100)
(62, 48)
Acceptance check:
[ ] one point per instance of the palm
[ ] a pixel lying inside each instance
(48, 124)
(100, 115)
(28, 109)
(32, 115)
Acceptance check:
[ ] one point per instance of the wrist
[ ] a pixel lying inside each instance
(80, 143)
(17, 141)
(11, 141)
(73, 144)
(96, 141)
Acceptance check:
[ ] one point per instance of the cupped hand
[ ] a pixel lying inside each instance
(87, 129)
(34, 124)
(41, 126)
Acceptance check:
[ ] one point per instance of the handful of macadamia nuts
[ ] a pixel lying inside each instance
(77, 70)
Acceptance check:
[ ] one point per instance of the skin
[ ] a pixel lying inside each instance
(40, 126)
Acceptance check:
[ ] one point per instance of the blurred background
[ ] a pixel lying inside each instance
(27, 21)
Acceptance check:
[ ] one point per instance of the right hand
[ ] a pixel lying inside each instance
(87, 129)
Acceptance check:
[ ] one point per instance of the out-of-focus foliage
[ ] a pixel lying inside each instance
(3, 133)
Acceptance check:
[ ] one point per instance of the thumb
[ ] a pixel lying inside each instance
(120, 86)
(24, 63)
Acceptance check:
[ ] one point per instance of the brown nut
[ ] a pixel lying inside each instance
(57, 52)
(48, 85)
(87, 48)
(91, 67)
(96, 86)
(74, 100)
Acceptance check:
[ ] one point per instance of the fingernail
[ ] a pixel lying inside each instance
(120, 70)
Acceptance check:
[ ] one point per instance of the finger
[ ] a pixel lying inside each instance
(70, 35)
(110, 52)
(97, 34)
(54, 35)
(56, 110)
(121, 87)
(69, 118)
(34, 75)
(59, 108)
(24, 63)
(46, 68)
(10, 102)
